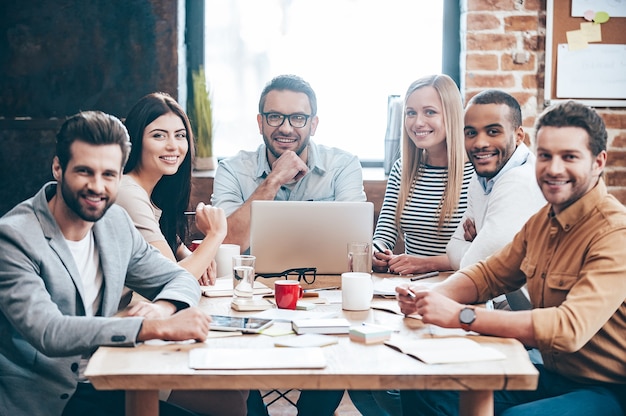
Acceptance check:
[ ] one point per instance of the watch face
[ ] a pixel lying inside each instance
(467, 316)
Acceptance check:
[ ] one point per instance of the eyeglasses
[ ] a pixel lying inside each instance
(307, 274)
(295, 120)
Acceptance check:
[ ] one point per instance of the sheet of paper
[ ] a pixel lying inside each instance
(591, 31)
(576, 40)
(288, 315)
(278, 329)
(306, 340)
(595, 72)
(445, 350)
(386, 286)
(615, 8)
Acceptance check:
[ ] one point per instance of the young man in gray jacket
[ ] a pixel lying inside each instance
(65, 256)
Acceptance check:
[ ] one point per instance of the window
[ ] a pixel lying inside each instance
(355, 53)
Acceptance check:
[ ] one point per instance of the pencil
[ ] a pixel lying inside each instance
(424, 276)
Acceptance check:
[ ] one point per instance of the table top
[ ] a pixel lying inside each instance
(350, 365)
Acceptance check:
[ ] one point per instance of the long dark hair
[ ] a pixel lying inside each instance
(171, 193)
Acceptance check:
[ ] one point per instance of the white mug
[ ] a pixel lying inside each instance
(357, 290)
(224, 259)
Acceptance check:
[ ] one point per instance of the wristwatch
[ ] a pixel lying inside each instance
(467, 316)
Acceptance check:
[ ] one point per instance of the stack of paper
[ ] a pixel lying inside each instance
(369, 334)
(321, 326)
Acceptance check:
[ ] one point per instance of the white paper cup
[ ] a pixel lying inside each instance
(357, 291)
(224, 259)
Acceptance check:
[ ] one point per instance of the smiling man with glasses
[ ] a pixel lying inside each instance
(288, 166)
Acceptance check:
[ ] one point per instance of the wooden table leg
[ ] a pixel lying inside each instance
(476, 403)
(142, 403)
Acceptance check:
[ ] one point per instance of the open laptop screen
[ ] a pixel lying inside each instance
(295, 234)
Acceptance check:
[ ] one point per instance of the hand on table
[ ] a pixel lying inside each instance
(189, 323)
(433, 307)
(209, 276)
(405, 264)
(380, 261)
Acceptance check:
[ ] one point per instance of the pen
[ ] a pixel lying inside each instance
(424, 276)
(410, 293)
(377, 247)
(319, 289)
(190, 213)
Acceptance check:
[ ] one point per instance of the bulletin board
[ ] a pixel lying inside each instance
(595, 75)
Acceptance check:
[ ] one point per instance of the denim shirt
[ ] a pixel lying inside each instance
(334, 175)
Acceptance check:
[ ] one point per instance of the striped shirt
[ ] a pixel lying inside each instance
(420, 218)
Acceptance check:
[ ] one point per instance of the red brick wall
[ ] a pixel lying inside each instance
(504, 48)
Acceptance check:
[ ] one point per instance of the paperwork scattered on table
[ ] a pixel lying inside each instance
(445, 350)
(224, 287)
(288, 315)
(258, 358)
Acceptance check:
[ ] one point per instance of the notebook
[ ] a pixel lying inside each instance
(295, 234)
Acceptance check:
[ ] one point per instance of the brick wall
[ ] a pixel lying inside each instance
(503, 46)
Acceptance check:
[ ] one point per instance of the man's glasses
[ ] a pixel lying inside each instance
(307, 274)
(295, 120)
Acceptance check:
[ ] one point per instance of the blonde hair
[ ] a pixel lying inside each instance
(414, 158)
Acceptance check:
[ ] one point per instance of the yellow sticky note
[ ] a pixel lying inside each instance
(576, 40)
(591, 31)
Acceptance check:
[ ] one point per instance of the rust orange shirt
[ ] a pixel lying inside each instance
(575, 266)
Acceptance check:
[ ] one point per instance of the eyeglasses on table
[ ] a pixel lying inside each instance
(306, 274)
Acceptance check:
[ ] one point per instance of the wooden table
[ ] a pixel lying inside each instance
(144, 370)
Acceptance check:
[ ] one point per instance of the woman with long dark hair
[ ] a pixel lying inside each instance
(157, 183)
(155, 192)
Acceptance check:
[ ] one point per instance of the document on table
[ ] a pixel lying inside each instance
(386, 286)
(445, 350)
(306, 340)
(288, 315)
(258, 358)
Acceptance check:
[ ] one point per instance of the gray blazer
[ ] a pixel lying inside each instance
(43, 328)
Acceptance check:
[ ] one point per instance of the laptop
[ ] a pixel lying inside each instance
(295, 234)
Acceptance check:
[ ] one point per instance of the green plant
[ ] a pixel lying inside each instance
(202, 114)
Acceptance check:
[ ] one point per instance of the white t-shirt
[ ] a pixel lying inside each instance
(87, 261)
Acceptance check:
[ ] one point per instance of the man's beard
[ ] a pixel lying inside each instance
(73, 202)
(269, 141)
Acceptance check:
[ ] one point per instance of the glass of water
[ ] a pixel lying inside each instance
(359, 257)
(243, 276)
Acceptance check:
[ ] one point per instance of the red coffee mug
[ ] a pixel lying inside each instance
(194, 244)
(287, 293)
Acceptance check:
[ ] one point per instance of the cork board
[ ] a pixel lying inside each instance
(600, 83)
